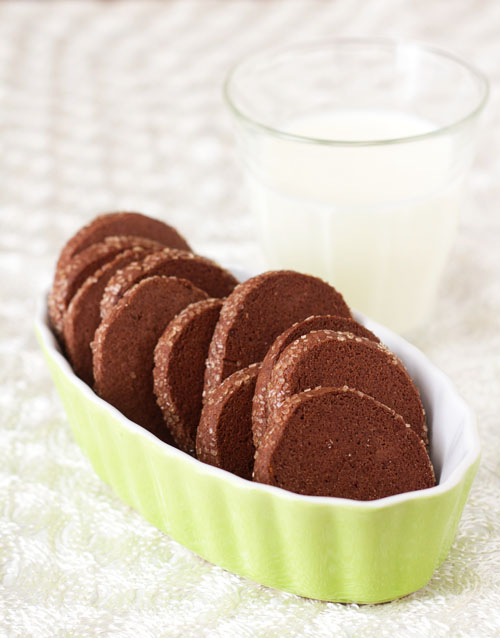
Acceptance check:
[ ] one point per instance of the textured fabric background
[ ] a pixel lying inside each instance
(118, 105)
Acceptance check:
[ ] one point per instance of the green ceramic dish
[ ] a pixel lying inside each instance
(326, 548)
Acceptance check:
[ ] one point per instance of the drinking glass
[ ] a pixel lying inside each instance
(355, 153)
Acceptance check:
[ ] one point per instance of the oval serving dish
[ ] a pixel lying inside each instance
(326, 548)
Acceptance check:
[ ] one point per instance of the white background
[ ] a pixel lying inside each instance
(114, 105)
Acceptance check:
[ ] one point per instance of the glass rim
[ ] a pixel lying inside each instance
(393, 43)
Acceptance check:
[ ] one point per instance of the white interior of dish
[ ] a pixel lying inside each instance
(454, 441)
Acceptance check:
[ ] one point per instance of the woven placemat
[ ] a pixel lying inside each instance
(118, 105)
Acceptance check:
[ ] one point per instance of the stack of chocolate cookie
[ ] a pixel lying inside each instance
(271, 379)
(119, 282)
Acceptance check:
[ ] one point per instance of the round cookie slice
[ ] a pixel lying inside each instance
(334, 359)
(124, 343)
(224, 436)
(317, 322)
(114, 224)
(180, 356)
(82, 316)
(341, 442)
(69, 278)
(202, 272)
(259, 310)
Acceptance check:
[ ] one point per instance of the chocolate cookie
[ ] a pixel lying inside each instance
(82, 316)
(334, 359)
(69, 278)
(318, 322)
(224, 436)
(202, 272)
(123, 348)
(259, 310)
(114, 224)
(343, 443)
(180, 356)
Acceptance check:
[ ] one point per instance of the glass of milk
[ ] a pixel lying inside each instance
(355, 153)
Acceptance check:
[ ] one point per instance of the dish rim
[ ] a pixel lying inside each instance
(453, 480)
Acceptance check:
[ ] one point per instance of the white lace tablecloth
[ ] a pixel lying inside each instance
(117, 105)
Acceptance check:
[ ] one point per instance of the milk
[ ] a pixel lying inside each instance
(376, 221)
